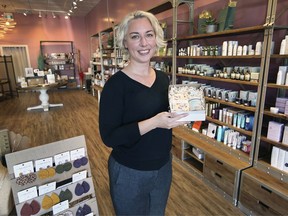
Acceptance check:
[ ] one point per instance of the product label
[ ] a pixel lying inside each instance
(43, 163)
(62, 158)
(27, 194)
(23, 168)
(62, 206)
(77, 153)
(43, 189)
(79, 176)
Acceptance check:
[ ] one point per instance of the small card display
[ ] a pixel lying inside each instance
(27, 194)
(62, 158)
(23, 168)
(43, 163)
(77, 153)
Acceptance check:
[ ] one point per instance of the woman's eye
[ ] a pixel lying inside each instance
(150, 35)
(135, 37)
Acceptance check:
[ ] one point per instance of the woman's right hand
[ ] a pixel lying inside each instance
(169, 120)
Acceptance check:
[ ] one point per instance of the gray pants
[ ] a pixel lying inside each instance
(136, 192)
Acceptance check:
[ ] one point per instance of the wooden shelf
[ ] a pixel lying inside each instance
(242, 131)
(211, 146)
(220, 57)
(192, 155)
(246, 30)
(274, 143)
(274, 85)
(240, 106)
(276, 115)
(240, 82)
(198, 167)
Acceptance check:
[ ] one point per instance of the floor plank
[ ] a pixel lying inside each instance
(79, 115)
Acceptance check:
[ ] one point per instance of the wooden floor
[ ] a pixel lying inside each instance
(79, 115)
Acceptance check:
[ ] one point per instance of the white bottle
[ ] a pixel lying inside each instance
(224, 48)
(239, 50)
(245, 49)
(230, 48)
(235, 47)
(279, 78)
(286, 80)
(283, 47)
(258, 48)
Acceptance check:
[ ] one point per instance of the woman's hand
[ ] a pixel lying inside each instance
(169, 120)
(162, 120)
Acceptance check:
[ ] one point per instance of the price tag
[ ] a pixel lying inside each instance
(43, 163)
(23, 168)
(62, 206)
(27, 194)
(62, 158)
(43, 189)
(79, 176)
(77, 153)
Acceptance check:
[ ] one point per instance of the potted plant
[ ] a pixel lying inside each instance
(211, 25)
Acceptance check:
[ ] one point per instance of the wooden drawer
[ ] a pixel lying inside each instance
(219, 180)
(256, 207)
(221, 169)
(261, 199)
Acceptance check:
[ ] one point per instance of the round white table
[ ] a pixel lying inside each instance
(44, 97)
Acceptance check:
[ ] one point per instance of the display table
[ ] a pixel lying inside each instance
(44, 97)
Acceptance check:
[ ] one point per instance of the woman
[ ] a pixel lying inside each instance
(135, 122)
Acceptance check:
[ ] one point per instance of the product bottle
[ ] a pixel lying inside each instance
(247, 75)
(224, 48)
(286, 80)
(219, 133)
(230, 48)
(279, 77)
(245, 49)
(258, 48)
(239, 51)
(282, 47)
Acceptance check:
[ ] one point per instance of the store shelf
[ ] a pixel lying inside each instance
(232, 32)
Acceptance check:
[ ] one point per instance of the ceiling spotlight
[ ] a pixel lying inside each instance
(25, 13)
(74, 3)
(53, 15)
(75, 6)
(80, 0)
(71, 11)
(68, 14)
(40, 15)
(66, 17)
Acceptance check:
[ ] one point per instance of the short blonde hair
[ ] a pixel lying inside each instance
(123, 28)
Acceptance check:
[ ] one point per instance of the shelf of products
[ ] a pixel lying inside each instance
(271, 147)
(59, 58)
(236, 75)
(7, 77)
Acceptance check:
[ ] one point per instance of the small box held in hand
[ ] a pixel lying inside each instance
(187, 98)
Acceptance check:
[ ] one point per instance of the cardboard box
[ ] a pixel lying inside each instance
(187, 98)
(275, 131)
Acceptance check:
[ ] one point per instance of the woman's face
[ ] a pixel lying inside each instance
(140, 40)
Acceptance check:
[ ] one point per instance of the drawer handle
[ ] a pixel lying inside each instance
(218, 175)
(264, 188)
(262, 204)
(219, 162)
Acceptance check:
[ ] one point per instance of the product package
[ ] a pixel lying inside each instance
(187, 98)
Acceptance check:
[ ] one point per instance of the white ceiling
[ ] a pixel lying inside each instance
(58, 7)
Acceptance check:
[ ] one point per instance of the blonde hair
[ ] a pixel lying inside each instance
(123, 28)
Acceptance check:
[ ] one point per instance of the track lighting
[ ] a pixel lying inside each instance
(25, 13)
(74, 3)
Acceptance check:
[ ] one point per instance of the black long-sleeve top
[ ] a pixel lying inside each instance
(125, 102)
